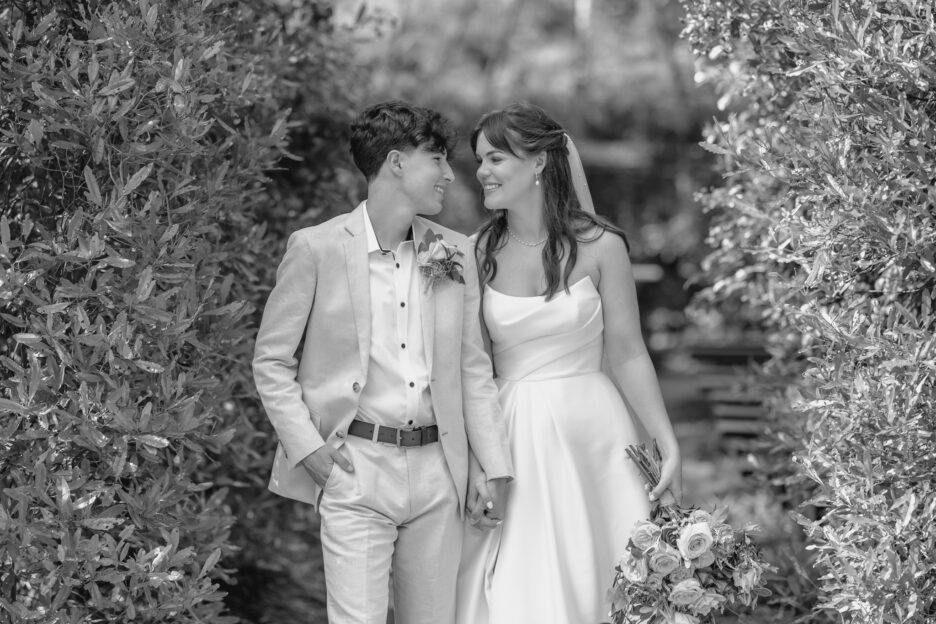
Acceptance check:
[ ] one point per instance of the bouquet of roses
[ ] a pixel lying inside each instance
(684, 564)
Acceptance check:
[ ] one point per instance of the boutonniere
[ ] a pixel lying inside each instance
(439, 260)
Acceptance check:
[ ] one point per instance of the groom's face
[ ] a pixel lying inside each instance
(425, 176)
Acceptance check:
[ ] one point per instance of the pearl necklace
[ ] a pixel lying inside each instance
(523, 242)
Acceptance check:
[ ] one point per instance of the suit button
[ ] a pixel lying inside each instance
(356, 386)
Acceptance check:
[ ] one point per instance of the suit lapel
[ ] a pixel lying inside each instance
(355, 249)
(427, 299)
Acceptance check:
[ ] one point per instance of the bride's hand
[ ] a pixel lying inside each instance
(474, 506)
(490, 501)
(669, 490)
(485, 501)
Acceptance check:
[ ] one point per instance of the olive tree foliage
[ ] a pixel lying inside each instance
(825, 232)
(141, 142)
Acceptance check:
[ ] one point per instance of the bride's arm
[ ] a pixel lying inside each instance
(628, 359)
(477, 480)
(485, 336)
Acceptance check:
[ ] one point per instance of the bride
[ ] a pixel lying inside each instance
(558, 300)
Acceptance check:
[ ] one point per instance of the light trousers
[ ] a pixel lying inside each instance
(398, 510)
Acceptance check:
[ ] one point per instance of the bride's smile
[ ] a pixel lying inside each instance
(507, 180)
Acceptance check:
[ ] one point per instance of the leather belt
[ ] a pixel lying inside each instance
(417, 436)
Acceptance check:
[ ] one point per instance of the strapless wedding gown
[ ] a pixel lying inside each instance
(576, 495)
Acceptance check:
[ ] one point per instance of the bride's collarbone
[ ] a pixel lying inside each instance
(521, 274)
(532, 285)
(518, 285)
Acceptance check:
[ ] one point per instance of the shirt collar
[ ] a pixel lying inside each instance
(372, 243)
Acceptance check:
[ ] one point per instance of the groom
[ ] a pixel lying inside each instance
(392, 391)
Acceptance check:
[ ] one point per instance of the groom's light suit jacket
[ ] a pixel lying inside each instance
(322, 291)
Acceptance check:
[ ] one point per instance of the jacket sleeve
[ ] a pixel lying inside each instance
(484, 423)
(275, 366)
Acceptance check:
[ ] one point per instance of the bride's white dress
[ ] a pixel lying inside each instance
(576, 495)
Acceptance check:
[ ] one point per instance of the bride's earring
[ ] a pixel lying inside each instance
(536, 177)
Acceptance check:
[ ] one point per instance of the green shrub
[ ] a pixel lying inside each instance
(308, 66)
(825, 231)
(136, 139)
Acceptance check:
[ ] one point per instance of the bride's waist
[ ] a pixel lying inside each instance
(553, 375)
(521, 364)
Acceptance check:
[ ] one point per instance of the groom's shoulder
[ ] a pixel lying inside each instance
(325, 231)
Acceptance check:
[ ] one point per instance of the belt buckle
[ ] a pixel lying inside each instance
(399, 434)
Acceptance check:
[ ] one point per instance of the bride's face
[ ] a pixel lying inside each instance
(506, 180)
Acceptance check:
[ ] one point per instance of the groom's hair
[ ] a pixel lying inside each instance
(397, 125)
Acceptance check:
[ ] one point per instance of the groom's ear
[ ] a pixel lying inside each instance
(394, 162)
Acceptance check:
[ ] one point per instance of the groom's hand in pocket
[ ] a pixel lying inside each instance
(319, 463)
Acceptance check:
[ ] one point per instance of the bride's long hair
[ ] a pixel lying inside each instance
(523, 129)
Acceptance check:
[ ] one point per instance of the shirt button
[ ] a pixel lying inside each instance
(339, 434)
(410, 422)
(356, 386)
(402, 304)
(398, 265)
(412, 385)
(403, 346)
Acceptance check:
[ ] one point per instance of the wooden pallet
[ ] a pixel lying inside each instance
(737, 415)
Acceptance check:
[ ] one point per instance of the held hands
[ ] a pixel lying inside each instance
(486, 507)
(485, 504)
(320, 462)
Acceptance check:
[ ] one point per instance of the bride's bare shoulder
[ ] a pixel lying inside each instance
(600, 241)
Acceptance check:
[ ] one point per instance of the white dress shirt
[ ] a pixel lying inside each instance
(396, 392)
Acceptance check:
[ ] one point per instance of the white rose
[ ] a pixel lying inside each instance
(634, 568)
(646, 535)
(681, 573)
(694, 540)
(686, 592)
(664, 559)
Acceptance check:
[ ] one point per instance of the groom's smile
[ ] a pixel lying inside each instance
(424, 170)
